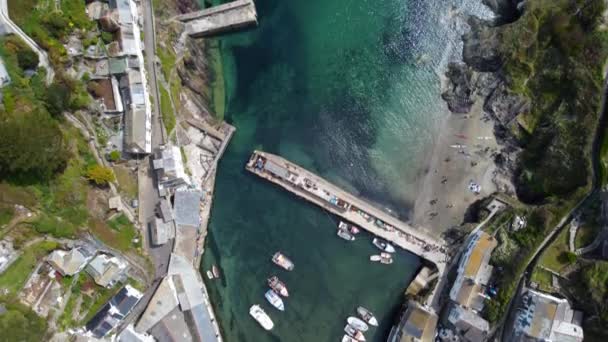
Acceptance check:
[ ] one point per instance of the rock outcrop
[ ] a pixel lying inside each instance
(505, 105)
(460, 89)
(507, 11)
(481, 49)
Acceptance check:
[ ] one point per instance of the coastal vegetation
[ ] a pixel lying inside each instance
(554, 55)
(19, 323)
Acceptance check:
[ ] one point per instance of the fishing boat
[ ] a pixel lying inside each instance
(344, 234)
(351, 229)
(383, 245)
(375, 258)
(278, 286)
(357, 324)
(281, 260)
(386, 255)
(216, 271)
(367, 316)
(274, 299)
(347, 338)
(261, 317)
(210, 275)
(354, 333)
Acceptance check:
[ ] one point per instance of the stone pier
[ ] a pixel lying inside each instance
(220, 19)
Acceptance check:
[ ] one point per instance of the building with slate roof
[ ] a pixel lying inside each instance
(169, 167)
(107, 270)
(417, 323)
(468, 324)
(113, 312)
(474, 272)
(542, 317)
(70, 262)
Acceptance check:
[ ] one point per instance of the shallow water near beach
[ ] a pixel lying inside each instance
(350, 90)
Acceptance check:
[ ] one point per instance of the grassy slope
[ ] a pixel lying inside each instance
(16, 275)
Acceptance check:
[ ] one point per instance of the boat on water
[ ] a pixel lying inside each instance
(347, 338)
(383, 245)
(357, 324)
(278, 286)
(354, 333)
(261, 317)
(386, 255)
(367, 316)
(375, 258)
(274, 299)
(386, 260)
(216, 271)
(210, 275)
(344, 234)
(281, 260)
(351, 229)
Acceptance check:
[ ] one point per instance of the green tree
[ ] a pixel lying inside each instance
(57, 98)
(19, 323)
(27, 59)
(100, 175)
(31, 146)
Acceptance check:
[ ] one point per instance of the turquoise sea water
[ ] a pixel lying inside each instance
(350, 90)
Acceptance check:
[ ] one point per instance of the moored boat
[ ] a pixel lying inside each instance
(349, 227)
(274, 299)
(281, 260)
(278, 286)
(375, 258)
(357, 324)
(354, 333)
(261, 317)
(344, 234)
(386, 255)
(347, 338)
(216, 271)
(210, 275)
(383, 245)
(367, 316)
(386, 260)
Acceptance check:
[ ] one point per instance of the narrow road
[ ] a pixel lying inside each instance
(158, 133)
(42, 55)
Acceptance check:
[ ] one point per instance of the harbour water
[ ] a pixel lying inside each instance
(348, 89)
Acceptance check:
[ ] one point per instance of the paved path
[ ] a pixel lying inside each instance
(42, 55)
(158, 133)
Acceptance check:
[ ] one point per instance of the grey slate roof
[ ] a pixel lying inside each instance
(186, 207)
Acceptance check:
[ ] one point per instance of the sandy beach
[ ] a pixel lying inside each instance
(462, 154)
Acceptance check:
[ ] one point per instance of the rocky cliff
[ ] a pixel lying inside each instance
(523, 66)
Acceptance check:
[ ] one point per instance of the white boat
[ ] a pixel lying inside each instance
(385, 255)
(345, 235)
(281, 260)
(278, 286)
(347, 338)
(386, 260)
(261, 317)
(357, 324)
(274, 299)
(210, 275)
(383, 245)
(349, 227)
(354, 333)
(375, 258)
(367, 316)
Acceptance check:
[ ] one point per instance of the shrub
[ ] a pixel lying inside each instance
(27, 59)
(107, 37)
(114, 156)
(100, 175)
